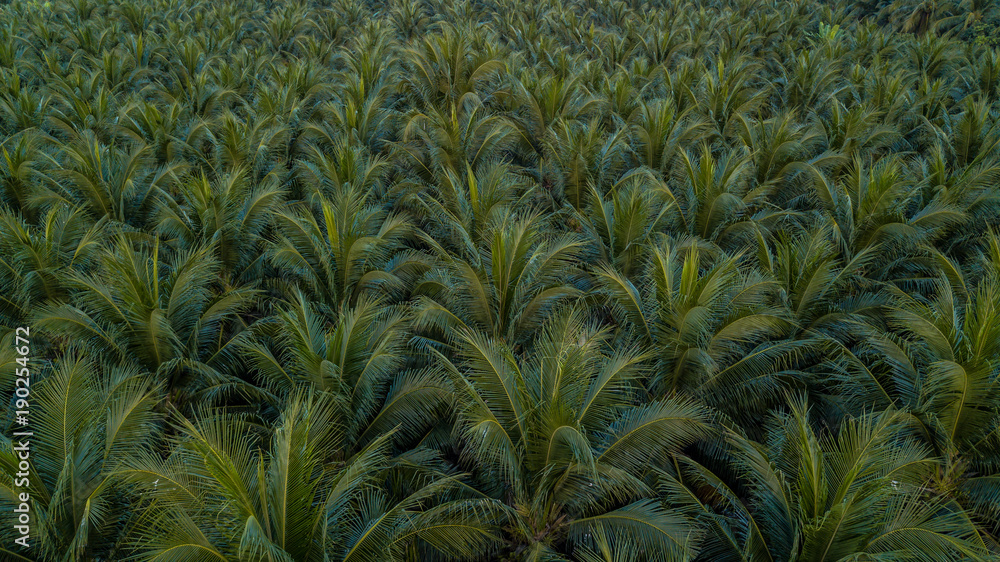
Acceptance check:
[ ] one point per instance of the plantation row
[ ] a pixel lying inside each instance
(712, 280)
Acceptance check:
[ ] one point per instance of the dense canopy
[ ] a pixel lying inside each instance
(518, 280)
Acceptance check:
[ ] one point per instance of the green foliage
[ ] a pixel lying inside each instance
(703, 280)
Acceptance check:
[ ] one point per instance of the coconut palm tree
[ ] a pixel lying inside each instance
(167, 312)
(517, 277)
(361, 359)
(228, 213)
(233, 489)
(564, 437)
(88, 417)
(806, 496)
(335, 248)
(715, 331)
